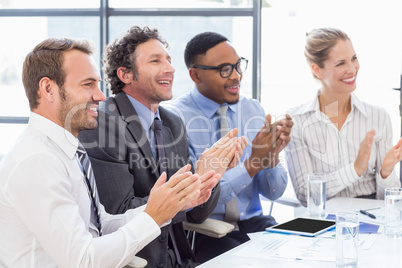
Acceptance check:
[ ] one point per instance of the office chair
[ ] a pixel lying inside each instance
(209, 227)
(287, 201)
(137, 262)
(217, 229)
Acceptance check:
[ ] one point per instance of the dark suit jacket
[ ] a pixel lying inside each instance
(125, 169)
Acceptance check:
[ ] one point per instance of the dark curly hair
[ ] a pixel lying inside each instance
(199, 45)
(121, 53)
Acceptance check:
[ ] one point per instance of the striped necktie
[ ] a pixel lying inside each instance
(91, 184)
(224, 126)
(231, 208)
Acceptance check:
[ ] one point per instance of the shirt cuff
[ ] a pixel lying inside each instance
(350, 175)
(142, 228)
(388, 181)
(273, 171)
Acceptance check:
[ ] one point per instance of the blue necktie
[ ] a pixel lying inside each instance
(162, 166)
(91, 184)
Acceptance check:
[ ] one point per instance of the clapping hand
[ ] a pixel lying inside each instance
(177, 194)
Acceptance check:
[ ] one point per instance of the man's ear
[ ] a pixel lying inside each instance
(47, 89)
(194, 75)
(316, 70)
(124, 76)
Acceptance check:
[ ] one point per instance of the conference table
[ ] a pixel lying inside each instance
(376, 249)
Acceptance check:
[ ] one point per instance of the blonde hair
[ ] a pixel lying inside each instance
(319, 42)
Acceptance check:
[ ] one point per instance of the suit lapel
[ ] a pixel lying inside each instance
(134, 126)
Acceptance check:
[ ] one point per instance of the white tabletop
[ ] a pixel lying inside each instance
(385, 252)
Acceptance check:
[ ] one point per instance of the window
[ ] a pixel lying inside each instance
(376, 33)
(177, 32)
(14, 49)
(193, 4)
(41, 4)
(102, 21)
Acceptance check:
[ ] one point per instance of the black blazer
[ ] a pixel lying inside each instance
(125, 169)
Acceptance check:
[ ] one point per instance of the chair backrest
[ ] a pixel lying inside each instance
(137, 262)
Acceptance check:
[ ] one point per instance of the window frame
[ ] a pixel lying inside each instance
(104, 12)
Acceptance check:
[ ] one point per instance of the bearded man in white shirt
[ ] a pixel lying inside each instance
(48, 217)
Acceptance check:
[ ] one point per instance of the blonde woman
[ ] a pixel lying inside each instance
(337, 134)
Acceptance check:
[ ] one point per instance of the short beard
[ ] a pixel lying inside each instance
(62, 93)
(73, 118)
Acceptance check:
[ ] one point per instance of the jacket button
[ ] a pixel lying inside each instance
(161, 264)
(162, 239)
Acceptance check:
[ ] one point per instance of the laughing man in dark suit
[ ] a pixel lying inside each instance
(123, 151)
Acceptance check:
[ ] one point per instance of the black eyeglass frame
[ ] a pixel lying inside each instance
(219, 67)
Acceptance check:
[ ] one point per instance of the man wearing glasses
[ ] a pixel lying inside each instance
(214, 107)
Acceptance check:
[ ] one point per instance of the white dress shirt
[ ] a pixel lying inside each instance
(317, 146)
(45, 208)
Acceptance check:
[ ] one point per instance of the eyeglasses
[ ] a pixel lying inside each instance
(226, 69)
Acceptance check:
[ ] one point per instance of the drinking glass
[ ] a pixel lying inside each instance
(347, 239)
(393, 212)
(316, 195)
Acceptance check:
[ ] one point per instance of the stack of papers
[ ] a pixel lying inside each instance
(273, 245)
(295, 247)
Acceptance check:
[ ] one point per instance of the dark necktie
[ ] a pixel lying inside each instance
(231, 208)
(160, 150)
(91, 184)
(162, 166)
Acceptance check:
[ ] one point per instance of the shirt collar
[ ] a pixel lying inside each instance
(314, 106)
(208, 106)
(67, 142)
(145, 115)
(358, 104)
(311, 106)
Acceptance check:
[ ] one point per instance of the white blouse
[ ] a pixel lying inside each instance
(317, 146)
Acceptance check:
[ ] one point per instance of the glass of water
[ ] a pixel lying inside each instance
(393, 212)
(347, 239)
(316, 195)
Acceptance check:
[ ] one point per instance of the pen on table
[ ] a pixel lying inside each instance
(371, 209)
(368, 214)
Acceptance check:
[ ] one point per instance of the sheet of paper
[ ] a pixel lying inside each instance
(320, 248)
(366, 241)
(271, 245)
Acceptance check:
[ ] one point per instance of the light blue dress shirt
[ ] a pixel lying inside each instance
(202, 124)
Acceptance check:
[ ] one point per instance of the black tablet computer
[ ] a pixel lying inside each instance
(303, 226)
